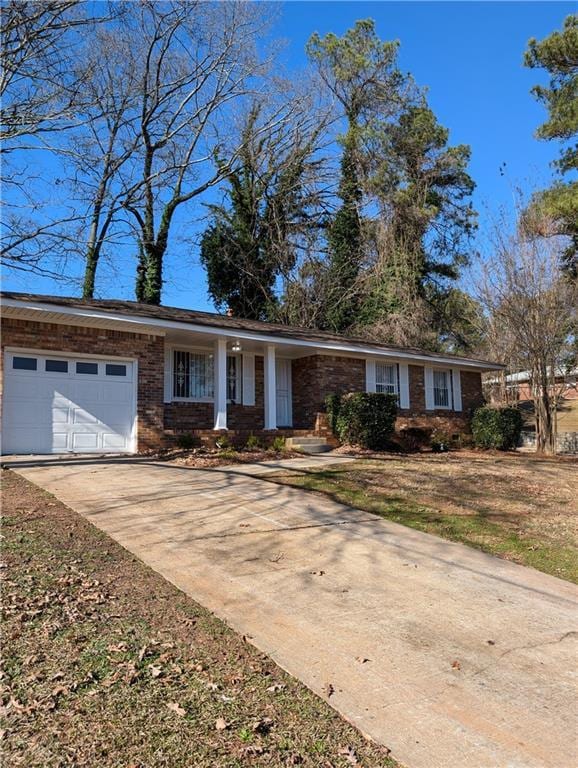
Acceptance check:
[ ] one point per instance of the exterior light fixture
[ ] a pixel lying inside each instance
(236, 347)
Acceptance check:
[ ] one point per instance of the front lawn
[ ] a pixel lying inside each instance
(515, 506)
(105, 664)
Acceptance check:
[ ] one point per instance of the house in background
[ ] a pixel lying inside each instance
(516, 389)
(121, 377)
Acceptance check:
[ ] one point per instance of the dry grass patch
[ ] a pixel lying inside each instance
(519, 507)
(107, 664)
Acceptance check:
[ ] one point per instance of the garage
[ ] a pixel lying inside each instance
(57, 403)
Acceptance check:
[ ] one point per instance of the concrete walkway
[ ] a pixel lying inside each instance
(450, 657)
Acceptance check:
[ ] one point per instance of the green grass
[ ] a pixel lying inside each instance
(353, 484)
(106, 664)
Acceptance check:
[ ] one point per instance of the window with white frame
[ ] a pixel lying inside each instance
(234, 378)
(386, 378)
(194, 376)
(441, 388)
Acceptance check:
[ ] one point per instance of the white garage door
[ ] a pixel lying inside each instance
(56, 403)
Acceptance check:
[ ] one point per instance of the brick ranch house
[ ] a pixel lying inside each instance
(117, 376)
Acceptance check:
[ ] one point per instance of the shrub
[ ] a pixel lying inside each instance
(223, 442)
(253, 443)
(277, 445)
(497, 427)
(332, 407)
(440, 441)
(186, 441)
(366, 419)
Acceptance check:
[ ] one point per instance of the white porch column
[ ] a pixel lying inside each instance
(270, 388)
(220, 384)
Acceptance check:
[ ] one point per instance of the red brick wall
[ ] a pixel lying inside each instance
(317, 376)
(146, 349)
(185, 417)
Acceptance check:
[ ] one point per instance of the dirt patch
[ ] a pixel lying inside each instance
(206, 458)
(106, 664)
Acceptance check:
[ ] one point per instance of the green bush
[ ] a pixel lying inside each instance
(223, 443)
(440, 441)
(332, 406)
(278, 445)
(366, 419)
(253, 443)
(496, 427)
(186, 441)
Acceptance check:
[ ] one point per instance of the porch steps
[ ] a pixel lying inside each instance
(309, 444)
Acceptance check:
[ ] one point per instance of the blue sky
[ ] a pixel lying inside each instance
(468, 54)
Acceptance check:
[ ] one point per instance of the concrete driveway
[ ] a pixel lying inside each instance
(450, 657)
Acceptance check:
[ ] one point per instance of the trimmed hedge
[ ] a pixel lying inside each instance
(363, 418)
(497, 427)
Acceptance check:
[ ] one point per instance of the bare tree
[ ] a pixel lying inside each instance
(532, 316)
(41, 90)
(196, 61)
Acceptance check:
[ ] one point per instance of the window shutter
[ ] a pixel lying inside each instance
(403, 385)
(370, 375)
(457, 389)
(429, 393)
(248, 379)
(168, 374)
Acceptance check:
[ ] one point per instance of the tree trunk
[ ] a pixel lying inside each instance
(90, 273)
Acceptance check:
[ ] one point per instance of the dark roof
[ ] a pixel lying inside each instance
(213, 320)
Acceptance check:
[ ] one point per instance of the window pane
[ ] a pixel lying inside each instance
(201, 376)
(24, 363)
(441, 389)
(232, 378)
(386, 378)
(57, 366)
(181, 374)
(115, 370)
(87, 368)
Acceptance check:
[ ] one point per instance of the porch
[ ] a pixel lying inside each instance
(239, 387)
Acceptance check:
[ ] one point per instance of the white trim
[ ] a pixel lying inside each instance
(457, 389)
(270, 387)
(168, 374)
(403, 369)
(248, 373)
(370, 375)
(220, 384)
(266, 338)
(289, 389)
(428, 385)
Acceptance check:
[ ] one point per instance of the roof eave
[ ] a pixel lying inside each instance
(163, 325)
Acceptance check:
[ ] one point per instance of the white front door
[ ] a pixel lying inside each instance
(283, 379)
(59, 403)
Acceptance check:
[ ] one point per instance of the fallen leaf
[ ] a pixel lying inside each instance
(362, 659)
(456, 664)
(276, 688)
(174, 707)
(220, 724)
(349, 754)
(491, 642)
(329, 690)
(155, 671)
